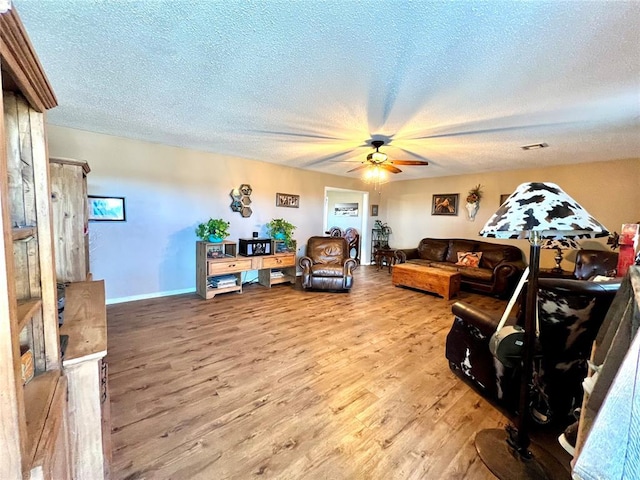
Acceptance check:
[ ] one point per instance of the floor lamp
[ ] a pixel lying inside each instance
(535, 211)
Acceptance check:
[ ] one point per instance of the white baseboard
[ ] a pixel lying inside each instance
(145, 296)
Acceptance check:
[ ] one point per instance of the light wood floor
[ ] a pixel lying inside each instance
(289, 384)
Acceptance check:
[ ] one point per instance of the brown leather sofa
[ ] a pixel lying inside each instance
(327, 265)
(500, 267)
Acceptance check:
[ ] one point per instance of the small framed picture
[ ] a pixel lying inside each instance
(503, 197)
(445, 204)
(374, 210)
(215, 250)
(106, 209)
(287, 200)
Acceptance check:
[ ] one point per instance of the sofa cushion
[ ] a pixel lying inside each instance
(431, 249)
(420, 261)
(476, 273)
(493, 255)
(469, 259)
(450, 267)
(327, 270)
(457, 245)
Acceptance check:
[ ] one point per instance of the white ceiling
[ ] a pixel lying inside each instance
(462, 84)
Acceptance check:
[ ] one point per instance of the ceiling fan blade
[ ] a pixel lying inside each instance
(409, 162)
(357, 168)
(389, 168)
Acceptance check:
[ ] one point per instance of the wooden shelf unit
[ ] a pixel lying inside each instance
(26, 310)
(33, 433)
(208, 267)
(284, 262)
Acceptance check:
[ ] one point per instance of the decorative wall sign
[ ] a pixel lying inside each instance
(374, 210)
(240, 200)
(445, 204)
(287, 200)
(106, 209)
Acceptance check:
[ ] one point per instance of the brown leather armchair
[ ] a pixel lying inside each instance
(327, 265)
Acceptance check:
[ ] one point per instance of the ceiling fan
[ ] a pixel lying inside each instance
(379, 159)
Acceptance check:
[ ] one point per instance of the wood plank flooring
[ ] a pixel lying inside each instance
(288, 384)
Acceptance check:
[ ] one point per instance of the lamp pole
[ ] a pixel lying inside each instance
(522, 440)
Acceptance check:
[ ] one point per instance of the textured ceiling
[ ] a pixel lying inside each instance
(307, 84)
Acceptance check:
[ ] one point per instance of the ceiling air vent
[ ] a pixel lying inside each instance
(534, 146)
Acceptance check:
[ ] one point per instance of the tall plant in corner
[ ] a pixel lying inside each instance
(280, 229)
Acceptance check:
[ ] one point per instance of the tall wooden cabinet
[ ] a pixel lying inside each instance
(70, 218)
(85, 323)
(33, 420)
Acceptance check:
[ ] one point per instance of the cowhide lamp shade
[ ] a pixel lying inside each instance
(560, 244)
(535, 211)
(543, 208)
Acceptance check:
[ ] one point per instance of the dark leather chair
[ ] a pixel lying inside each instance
(590, 263)
(353, 238)
(327, 265)
(570, 313)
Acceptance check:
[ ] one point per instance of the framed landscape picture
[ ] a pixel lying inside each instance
(106, 209)
(346, 210)
(445, 204)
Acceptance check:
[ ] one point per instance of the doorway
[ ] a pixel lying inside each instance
(344, 208)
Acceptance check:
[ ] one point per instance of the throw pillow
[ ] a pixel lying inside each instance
(469, 259)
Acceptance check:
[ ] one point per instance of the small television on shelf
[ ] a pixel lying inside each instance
(253, 247)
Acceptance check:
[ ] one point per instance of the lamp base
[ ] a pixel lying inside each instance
(506, 463)
(558, 259)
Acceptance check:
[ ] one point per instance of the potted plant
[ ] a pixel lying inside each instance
(280, 229)
(215, 230)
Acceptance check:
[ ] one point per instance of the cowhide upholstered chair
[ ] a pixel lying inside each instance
(327, 265)
(570, 314)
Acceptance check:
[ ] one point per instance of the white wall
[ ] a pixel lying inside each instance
(168, 192)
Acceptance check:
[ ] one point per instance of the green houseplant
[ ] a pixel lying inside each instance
(215, 230)
(280, 229)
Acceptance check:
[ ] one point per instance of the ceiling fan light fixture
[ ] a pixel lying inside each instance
(377, 157)
(375, 175)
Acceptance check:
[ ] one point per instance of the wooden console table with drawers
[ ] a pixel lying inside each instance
(215, 261)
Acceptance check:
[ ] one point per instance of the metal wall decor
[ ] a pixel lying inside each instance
(240, 200)
(287, 200)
